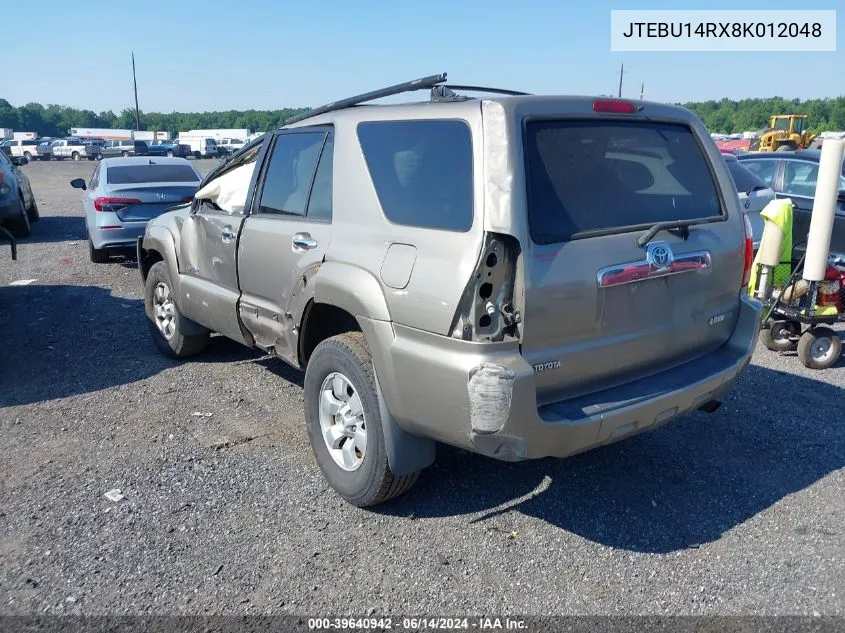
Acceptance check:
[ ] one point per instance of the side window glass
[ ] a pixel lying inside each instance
(799, 178)
(320, 204)
(290, 173)
(763, 169)
(422, 171)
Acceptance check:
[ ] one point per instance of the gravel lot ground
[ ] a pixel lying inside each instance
(739, 512)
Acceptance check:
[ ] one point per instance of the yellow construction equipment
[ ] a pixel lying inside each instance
(786, 132)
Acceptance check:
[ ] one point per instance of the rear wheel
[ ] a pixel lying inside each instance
(97, 255)
(20, 226)
(165, 321)
(819, 348)
(344, 422)
(780, 336)
(124, 154)
(75, 156)
(27, 156)
(170, 154)
(33, 213)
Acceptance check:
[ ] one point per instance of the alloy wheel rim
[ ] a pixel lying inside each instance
(343, 425)
(164, 310)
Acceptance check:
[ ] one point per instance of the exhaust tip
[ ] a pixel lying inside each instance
(711, 406)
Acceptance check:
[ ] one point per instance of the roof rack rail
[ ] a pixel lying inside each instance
(500, 91)
(408, 86)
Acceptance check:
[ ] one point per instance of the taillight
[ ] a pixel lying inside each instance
(113, 204)
(749, 251)
(187, 199)
(617, 106)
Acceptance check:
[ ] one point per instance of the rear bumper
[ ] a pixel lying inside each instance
(486, 403)
(125, 237)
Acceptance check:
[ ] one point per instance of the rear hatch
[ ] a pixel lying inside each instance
(143, 191)
(608, 309)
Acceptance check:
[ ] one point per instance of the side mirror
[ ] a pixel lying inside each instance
(78, 183)
(19, 161)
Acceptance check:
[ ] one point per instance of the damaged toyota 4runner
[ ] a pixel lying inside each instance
(520, 276)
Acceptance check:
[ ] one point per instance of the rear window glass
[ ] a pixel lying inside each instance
(587, 176)
(131, 174)
(745, 180)
(422, 171)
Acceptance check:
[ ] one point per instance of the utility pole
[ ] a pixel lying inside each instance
(642, 92)
(135, 83)
(621, 72)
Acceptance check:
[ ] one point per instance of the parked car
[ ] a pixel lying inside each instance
(754, 194)
(123, 148)
(167, 148)
(72, 148)
(125, 193)
(21, 147)
(793, 175)
(18, 209)
(44, 148)
(231, 145)
(505, 275)
(201, 146)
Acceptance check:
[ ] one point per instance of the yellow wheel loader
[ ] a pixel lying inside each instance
(785, 132)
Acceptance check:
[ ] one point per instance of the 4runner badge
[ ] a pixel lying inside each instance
(552, 364)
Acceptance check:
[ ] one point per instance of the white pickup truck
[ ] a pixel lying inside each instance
(21, 147)
(69, 148)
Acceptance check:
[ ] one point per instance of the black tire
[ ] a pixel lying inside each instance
(373, 482)
(169, 154)
(28, 156)
(809, 351)
(780, 336)
(33, 213)
(75, 156)
(124, 154)
(20, 226)
(179, 345)
(97, 255)
(785, 148)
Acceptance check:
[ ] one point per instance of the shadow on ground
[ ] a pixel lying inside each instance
(682, 485)
(60, 340)
(56, 228)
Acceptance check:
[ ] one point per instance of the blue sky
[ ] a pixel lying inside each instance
(214, 55)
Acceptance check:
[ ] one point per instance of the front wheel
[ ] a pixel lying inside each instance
(344, 422)
(124, 154)
(165, 321)
(170, 154)
(819, 348)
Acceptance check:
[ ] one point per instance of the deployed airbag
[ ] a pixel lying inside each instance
(229, 191)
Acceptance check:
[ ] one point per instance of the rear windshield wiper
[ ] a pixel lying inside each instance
(683, 225)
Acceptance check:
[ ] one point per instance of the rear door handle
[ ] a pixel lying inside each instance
(227, 235)
(303, 242)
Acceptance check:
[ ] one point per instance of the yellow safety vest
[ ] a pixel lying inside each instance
(780, 213)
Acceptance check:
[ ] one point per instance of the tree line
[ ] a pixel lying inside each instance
(724, 116)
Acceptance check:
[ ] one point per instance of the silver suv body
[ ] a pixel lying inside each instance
(488, 273)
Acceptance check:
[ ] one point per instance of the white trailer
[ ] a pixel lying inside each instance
(219, 134)
(25, 136)
(6, 133)
(118, 135)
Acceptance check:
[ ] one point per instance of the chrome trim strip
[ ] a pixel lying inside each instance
(634, 272)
